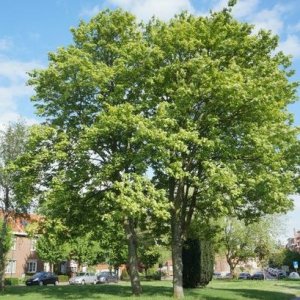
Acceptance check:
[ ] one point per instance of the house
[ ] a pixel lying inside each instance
(22, 258)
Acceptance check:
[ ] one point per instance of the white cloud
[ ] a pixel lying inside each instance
(90, 12)
(248, 10)
(270, 19)
(291, 46)
(14, 70)
(243, 8)
(13, 90)
(145, 9)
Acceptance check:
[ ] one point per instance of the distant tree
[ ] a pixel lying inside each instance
(149, 256)
(12, 145)
(241, 241)
(6, 243)
(84, 250)
(290, 256)
(51, 245)
(277, 257)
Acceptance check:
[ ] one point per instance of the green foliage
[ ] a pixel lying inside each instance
(51, 245)
(289, 257)
(153, 274)
(11, 281)
(201, 100)
(5, 238)
(277, 256)
(207, 262)
(198, 262)
(12, 145)
(191, 257)
(84, 250)
(63, 278)
(240, 242)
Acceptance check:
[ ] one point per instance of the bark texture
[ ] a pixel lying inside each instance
(132, 257)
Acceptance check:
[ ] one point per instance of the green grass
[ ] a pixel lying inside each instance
(216, 290)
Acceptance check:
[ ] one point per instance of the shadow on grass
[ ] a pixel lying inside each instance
(217, 294)
(109, 291)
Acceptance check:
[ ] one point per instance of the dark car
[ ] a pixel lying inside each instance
(258, 276)
(217, 275)
(244, 275)
(105, 277)
(281, 275)
(42, 278)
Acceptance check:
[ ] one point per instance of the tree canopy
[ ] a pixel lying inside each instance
(200, 102)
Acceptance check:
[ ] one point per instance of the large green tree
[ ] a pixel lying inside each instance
(202, 101)
(12, 145)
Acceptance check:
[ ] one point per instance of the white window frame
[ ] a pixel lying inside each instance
(31, 266)
(10, 267)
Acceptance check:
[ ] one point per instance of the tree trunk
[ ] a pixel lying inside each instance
(231, 266)
(132, 257)
(177, 255)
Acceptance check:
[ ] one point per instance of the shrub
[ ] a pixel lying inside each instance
(207, 261)
(63, 278)
(191, 263)
(153, 274)
(198, 263)
(11, 281)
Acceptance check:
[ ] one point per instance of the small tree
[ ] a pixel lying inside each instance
(5, 245)
(12, 144)
(84, 250)
(149, 256)
(242, 241)
(52, 241)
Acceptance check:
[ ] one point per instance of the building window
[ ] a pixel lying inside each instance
(14, 243)
(33, 245)
(31, 266)
(10, 267)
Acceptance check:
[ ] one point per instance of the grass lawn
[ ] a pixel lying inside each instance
(161, 290)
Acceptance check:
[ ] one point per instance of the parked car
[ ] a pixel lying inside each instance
(217, 275)
(105, 277)
(294, 275)
(84, 278)
(281, 275)
(244, 275)
(258, 276)
(42, 278)
(228, 275)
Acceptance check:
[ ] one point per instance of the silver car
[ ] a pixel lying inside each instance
(84, 278)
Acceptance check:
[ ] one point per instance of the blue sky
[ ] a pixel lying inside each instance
(30, 29)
